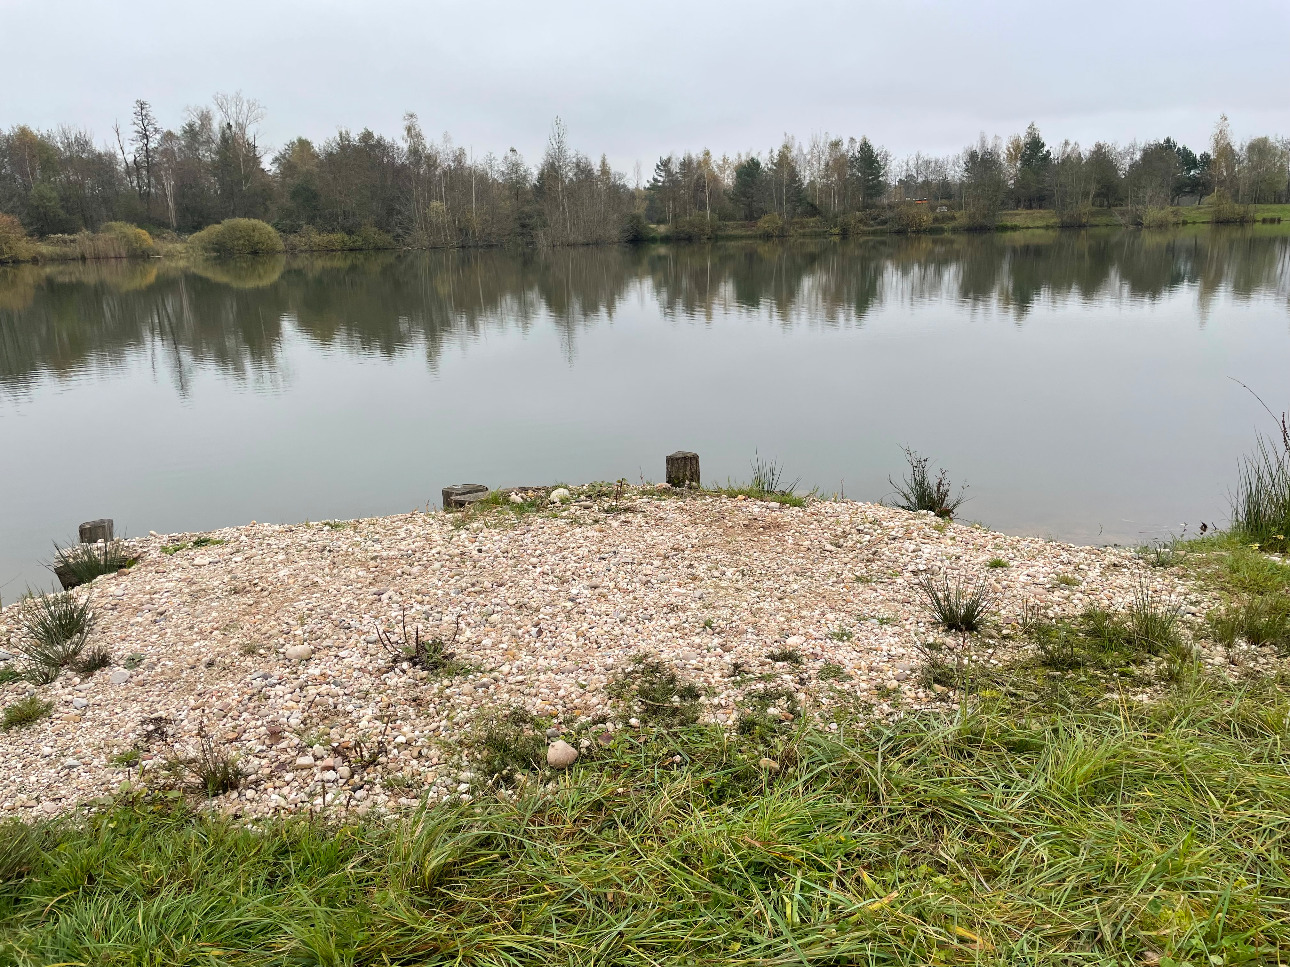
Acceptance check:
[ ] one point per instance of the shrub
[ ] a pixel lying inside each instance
(1158, 217)
(1224, 211)
(54, 629)
(909, 218)
(919, 492)
(771, 226)
(131, 240)
(14, 244)
(1077, 217)
(238, 236)
(369, 238)
(694, 228)
(956, 606)
(24, 712)
(636, 229)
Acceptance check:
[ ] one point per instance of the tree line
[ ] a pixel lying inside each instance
(414, 191)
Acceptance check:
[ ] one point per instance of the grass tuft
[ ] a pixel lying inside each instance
(1261, 505)
(80, 564)
(25, 711)
(919, 492)
(509, 743)
(54, 630)
(1262, 619)
(955, 605)
(658, 696)
(214, 770)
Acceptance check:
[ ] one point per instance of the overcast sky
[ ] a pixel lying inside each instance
(640, 80)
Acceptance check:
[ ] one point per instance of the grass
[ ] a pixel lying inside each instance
(213, 769)
(955, 605)
(767, 484)
(656, 694)
(1262, 619)
(90, 660)
(54, 630)
(1124, 834)
(510, 743)
(1261, 505)
(789, 656)
(918, 491)
(80, 564)
(25, 711)
(194, 543)
(997, 562)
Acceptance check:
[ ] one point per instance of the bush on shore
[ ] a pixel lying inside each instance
(771, 226)
(14, 244)
(238, 236)
(366, 239)
(909, 218)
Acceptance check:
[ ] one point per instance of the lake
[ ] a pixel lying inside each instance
(1081, 384)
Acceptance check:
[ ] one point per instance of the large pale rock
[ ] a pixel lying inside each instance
(300, 652)
(560, 754)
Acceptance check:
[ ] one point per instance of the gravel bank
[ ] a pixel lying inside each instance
(266, 643)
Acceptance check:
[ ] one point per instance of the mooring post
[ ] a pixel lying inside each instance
(463, 495)
(93, 531)
(683, 469)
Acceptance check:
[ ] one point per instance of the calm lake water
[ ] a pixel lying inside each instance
(1080, 383)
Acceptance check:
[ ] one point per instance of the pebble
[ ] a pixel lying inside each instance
(545, 611)
(770, 765)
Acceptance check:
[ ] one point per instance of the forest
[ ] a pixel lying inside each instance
(369, 190)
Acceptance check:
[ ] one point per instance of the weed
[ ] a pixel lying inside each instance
(944, 664)
(997, 562)
(91, 660)
(127, 758)
(25, 711)
(767, 711)
(1262, 619)
(1057, 645)
(917, 491)
(707, 623)
(21, 847)
(509, 743)
(1153, 623)
(54, 629)
(657, 693)
(1067, 580)
(1261, 505)
(81, 563)
(1164, 554)
(831, 671)
(956, 606)
(194, 543)
(430, 655)
(9, 674)
(214, 770)
(841, 634)
(790, 656)
(133, 660)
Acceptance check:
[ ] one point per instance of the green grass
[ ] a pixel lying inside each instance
(767, 483)
(25, 711)
(195, 543)
(54, 630)
(1124, 834)
(997, 562)
(82, 563)
(1261, 505)
(955, 605)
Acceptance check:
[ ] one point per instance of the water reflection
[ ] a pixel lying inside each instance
(234, 316)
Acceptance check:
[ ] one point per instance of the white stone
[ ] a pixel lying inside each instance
(560, 754)
(300, 652)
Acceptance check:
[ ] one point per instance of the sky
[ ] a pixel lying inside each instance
(640, 80)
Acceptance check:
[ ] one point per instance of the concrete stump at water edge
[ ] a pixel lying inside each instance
(683, 469)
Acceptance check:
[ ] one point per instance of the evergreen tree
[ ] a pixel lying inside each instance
(1034, 170)
(867, 167)
(749, 191)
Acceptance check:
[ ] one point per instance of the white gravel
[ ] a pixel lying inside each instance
(266, 643)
